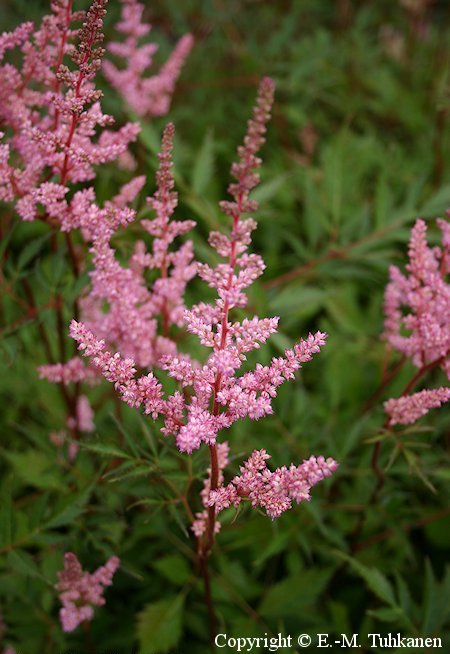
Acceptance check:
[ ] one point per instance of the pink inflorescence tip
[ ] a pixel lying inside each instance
(80, 591)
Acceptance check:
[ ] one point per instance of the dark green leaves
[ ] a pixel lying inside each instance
(159, 625)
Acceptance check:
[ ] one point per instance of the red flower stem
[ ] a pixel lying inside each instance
(75, 117)
(212, 619)
(205, 548)
(388, 378)
(214, 480)
(62, 47)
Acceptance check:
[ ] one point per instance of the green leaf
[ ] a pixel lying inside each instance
(136, 471)
(31, 250)
(404, 595)
(438, 203)
(6, 238)
(174, 568)
(266, 191)
(69, 508)
(384, 614)
(375, 580)
(149, 437)
(204, 165)
(105, 449)
(431, 604)
(150, 137)
(23, 563)
(159, 625)
(285, 598)
(383, 201)
(129, 439)
(36, 469)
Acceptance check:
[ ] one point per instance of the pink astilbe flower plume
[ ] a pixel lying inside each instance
(417, 323)
(417, 305)
(80, 591)
(53, 128)
(51, 114)
(54, 135)
(73, 371)
(145, 95)
(130, 323)
(272, 491)
(215, 394)
(409, 408)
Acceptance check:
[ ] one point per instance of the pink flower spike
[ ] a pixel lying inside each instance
(272, 491)
(80, 591)
(147, 96)
(417, 305)
(417, 309)
(409, 408)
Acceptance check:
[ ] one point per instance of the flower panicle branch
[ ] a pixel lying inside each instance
(145, 95)
(80, 591)
(131, 323)
(408, 409)
(417, 310)
(272, 491)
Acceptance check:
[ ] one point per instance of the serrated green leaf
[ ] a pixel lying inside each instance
(129, 439)
(23, 563)
(404, 595)
(69, 508)
(159, 625)
(149, 437)
(286, 597)
(176, 515)
(375, 580)
(137, 471)
(105, 449)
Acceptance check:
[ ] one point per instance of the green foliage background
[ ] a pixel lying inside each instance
(368, 82)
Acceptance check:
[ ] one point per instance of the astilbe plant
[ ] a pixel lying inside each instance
(417, 308)
(213, 395)
(57, 131)
(131, 321)
(417, 320)
(55, 136)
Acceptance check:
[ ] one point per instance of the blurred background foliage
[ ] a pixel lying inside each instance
(356, 151)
